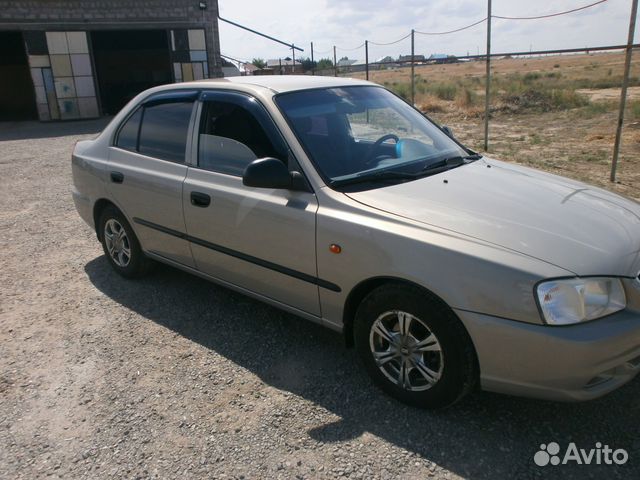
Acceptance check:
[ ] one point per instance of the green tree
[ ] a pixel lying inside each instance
(325, 64)
(307, 64)
(259, 62)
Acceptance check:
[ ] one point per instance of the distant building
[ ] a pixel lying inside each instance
(229, 69)
(264, 71)
(249, 68)
(285, 65)
(442, 58)
(346, 62)
(77, 59)
(387, 62)
(416, 58)
(345, 65)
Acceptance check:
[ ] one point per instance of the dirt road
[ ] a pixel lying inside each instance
(173, 377)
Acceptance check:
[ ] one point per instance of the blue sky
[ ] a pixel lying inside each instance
(347, 23)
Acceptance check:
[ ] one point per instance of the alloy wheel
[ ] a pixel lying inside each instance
(406, 351)
(117, 243)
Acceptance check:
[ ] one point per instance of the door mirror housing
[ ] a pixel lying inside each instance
(272, 173)
(447, 131)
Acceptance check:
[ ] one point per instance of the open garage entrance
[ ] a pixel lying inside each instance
(128, 62)
(17, 97)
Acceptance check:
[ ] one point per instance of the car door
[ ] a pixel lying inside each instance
(147, 170)
(262, 240)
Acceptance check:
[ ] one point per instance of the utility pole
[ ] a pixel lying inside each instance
(313, 65)
(335, 64)
(293, 56)
(623, 92)
(366, 58)
(413, 77)
(488, 87)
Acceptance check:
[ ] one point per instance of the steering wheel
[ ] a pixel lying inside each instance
(374, 148)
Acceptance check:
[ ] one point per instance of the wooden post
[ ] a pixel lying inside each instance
(335, 64)
(488, 86)
(623, 92)
(313, 65)
(413, 77)
(366, 58)
(293, 55)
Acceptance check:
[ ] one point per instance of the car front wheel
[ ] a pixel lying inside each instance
(414, 347)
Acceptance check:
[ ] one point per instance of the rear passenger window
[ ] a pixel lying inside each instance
(163, 133)
(158, 129)
(128, 135)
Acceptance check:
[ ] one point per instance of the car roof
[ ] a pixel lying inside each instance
(279, 83)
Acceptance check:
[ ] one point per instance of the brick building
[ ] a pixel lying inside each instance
(70, 59)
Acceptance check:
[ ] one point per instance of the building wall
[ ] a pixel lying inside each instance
(59, 48)
(62, 74)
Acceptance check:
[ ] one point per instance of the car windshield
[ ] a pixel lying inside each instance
(366, 133)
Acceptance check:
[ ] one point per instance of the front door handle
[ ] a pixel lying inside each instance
(117, 177)
(200, 199)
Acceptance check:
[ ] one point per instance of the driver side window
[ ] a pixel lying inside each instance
(230, 138)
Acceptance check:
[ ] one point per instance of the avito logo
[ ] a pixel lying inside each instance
(549, 454)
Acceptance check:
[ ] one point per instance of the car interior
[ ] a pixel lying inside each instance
(342, 155)
(231, 138)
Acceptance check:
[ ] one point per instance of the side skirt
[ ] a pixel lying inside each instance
(248, 293)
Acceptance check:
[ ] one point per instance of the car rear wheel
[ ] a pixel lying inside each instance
(121, 245)
(414, 347)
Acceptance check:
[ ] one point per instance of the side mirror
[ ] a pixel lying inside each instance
(447, 131)
(272, 173)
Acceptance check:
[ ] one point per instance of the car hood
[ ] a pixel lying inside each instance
(580, 228)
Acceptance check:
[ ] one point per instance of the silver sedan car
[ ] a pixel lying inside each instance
(337, 201)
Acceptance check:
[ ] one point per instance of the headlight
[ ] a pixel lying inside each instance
(575, 300)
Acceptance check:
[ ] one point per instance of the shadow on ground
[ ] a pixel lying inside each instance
(485, 436)
(28, 130)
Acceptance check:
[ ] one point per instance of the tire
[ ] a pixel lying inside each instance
(120, 244)
(433, 365)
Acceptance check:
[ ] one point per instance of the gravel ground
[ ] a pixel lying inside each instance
(174, 377)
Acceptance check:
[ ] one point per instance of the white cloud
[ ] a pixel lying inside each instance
(347, 23)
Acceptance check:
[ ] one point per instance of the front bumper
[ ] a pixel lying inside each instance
(568, 363)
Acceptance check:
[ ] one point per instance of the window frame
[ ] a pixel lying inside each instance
(116, 135)
(160, 98)
(253, 105)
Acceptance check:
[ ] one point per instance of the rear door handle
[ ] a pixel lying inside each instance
(200, 199)
(117, 177)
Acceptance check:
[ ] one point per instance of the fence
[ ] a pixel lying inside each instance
(414, 62)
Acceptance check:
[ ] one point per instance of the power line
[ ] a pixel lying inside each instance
(350, 49)
(290, 45)
(454, 31)
(502, 17)
(485, 19)
(390, 43)
(551, 14)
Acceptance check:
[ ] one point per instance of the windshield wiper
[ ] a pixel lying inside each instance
(450, 162)
(374, 177)
(437, 167)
